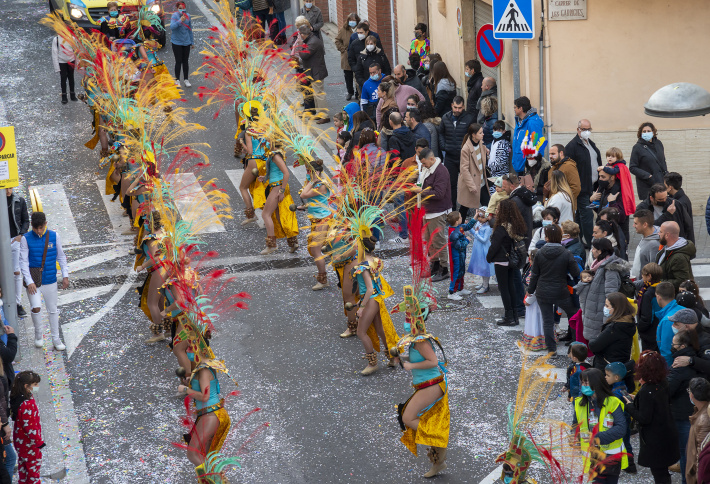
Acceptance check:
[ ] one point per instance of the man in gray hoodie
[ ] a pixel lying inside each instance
(648, 245)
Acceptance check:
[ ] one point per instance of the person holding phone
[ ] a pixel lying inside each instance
(182, 41)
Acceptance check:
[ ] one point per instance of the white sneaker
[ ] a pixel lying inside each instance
(39, 343)
(399, 240)
(58, 345)
(454, 297)
(187, 83)
(177, 83)
(464, 292)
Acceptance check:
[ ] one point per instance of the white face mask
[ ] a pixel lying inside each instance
(308, 5)
(585, 134)
(361, 36)
(647, 136)
(370, 47)
(35, 390)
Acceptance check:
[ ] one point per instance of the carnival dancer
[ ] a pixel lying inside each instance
(253, 190)
(153, 247)
(424, 417)
(316, 193)
(280, 222)
(344, 259)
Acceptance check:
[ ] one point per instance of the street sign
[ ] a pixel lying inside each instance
(490, 50)
(9, 177)
(513, 19)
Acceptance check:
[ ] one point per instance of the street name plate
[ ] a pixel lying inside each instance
(567, 10)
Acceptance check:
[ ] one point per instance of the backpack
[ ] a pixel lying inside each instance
(627, 287)
(518, 254)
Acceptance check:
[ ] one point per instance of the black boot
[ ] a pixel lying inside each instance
(72, 96)
(443, 274)
(508, 320)
(632, 466)
(434, 268)
(64, 98)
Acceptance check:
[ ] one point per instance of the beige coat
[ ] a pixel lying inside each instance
(469, 185)
(342, 41)
(699, 428)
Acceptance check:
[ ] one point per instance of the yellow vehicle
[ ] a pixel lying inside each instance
(88, 13)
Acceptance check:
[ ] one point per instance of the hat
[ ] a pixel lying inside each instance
(686, 299)
(497, 181)
(684, 316)
(616, 368)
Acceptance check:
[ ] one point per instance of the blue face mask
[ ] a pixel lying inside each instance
(587, 390)
(648, 136)
(375, 77)
(191, 356)
(352, 24)
(113, 13)
(606, 311)
(181, 10)
(674, 329)
(545, 223)
(497, 134)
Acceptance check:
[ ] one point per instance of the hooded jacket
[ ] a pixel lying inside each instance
(607, 279)
(675, 262)
(678, 380)
(548, 276)
(416, 83)
(473, 86)
(646, 320)
(444, 96)
(664, 332)
(645, 252)
(614, 342)
(531, 123)
(403, 140)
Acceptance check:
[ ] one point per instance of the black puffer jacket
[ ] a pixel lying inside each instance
(548, 276)
(577, 151)
(473, 85)
(678, 380)
(648, 165)
(365, 59)
(614, 342)
(451, 136)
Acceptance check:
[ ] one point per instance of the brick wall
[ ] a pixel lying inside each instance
(345, 7)
(380, 22)
(325, 9)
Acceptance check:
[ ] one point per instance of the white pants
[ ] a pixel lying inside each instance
(15, 246)
(49, 291)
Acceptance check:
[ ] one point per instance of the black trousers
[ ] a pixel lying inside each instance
(661, 475)
(182, 54)
(547, 309)
(506, 276)
(349, 82)
(454, 167)
(66, 72)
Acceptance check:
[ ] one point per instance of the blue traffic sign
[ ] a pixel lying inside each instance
(490, 50)
(513, 19)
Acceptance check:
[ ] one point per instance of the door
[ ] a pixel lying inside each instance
(362, 9)
(482, 15)
(333, 12)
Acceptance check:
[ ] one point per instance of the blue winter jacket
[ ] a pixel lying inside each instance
(181, 31)
(532, 123)
(664, 333)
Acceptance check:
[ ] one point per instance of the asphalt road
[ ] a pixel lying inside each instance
(325, 422)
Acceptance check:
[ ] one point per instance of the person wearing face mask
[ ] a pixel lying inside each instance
(420, 43)
(617, 334)
(650, 408)
(357, 45)
(408, 77)
(608, 194)
(369, 97)
(112, 26)
(182, 41)
(598, 409)
(667, 209)
(474, 85)
(371, 54)
(648, 159)
(684, 344)
(27, 431)
(588, 158)
(342, 41)
(665, 307)
(550, 216)
(314, 16)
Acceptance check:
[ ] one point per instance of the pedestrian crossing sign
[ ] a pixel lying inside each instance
(8, 158)
(513, 19)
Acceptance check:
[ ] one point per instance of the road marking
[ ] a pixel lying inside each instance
(56, 206)
(75, 331)
(705, 293)
(490, 302)
(235, 176)
(89, 246)
(701, 270)
(193, 205)
(494, 476)
(81, 294)
(115, 212)
(100, 258)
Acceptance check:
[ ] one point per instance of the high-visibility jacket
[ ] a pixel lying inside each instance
(606, 421)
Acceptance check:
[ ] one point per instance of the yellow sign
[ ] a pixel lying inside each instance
(9, 177)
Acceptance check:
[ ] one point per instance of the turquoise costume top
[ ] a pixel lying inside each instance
(258, 148)
(214, 391)
(420, 376)
(317, 207)
(170, 300)
(374, 271)
(275, 173)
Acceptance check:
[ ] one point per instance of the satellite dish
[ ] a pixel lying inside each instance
(678, 100)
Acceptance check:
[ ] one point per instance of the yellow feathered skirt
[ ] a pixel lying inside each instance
(256, 188)
(433, 429)
(285, 221)
(168, 91)
(390, 333)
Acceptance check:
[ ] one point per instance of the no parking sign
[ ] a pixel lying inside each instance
(490, 50)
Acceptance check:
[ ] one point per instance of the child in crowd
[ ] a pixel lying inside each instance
(615, 374)
(479, 266)
(577, 352)
(582, 287)
(63, 58)
(457, 253)
(342, 142)
(27, 431)
(340, 120)
(533, 334)
(497, 196)
(616, 165)
(501, 150)
(646, 320)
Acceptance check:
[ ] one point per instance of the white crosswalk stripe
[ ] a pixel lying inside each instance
(55, 205)
(235, 176)
(193, 205)
(115, 212)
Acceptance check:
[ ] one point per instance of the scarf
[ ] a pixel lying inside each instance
(425, 172)
(643, 289)
(597, 263)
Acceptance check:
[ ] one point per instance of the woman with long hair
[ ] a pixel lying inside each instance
(253, 191)
(431, 121)
(650, 407)
(361, 120)
(443, 88)
(385, 92)
(473, 184)
(315, 193)
(561, 196)
(598, 410)
(370, 153)
(280, 222)
(617, 335)
(153, 247)
(342, 41)
(509, 227)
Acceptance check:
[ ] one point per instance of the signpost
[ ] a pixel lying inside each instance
(490, 50)
(513, 19)
(8, 179)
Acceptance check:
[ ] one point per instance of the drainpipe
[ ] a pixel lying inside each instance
(548, 122)
(394, 43)
(542, 77)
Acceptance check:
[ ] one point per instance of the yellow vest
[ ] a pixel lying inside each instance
(605, 423)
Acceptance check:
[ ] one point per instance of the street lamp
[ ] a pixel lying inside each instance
(678, 100)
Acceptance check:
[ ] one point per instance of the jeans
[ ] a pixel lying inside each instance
(49, 291)
(66, 73)
(585, 219)
(402, 217)
(506, 276)
(10, 459)
(454, 167)
(182, 54)
(547, 309)
(683, 427)
(349, 82)
(458, 270)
